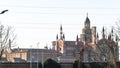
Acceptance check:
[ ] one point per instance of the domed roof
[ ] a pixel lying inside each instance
(87, 20)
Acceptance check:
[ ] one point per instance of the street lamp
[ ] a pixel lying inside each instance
(2, 12)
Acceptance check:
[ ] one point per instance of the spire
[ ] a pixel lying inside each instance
(87, 22)
(77, 39)
(61, 33)
(87, 19)
(64, 36)
(87, 14)
(103, 33)
(103, 30)
(112, 32)
(97, 38)
(57, 37)
(109, 36)
(18, 48)
(60, 27)
(116, 39)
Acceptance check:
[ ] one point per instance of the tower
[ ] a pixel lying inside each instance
(62, 36)
(77, 40)
(60, 41)
(61, 33)
(87, 23)
(86, 35)
(103, 33)
(93, 34)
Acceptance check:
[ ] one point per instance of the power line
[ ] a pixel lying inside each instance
(34, 7)
(65, 13)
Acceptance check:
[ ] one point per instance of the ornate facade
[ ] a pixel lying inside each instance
(88, 47)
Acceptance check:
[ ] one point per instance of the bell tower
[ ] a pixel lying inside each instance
(86, 35)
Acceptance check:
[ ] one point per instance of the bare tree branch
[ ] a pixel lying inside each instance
(6, 34)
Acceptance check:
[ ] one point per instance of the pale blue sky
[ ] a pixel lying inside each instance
(39, 20)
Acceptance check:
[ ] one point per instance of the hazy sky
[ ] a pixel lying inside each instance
(39, 20)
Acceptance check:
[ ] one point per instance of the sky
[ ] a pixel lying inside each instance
(39, 20)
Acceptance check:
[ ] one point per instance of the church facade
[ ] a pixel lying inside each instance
(87, 48)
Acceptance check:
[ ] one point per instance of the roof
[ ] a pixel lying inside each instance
(33, 50)
(19, 60)
(69, 42)
(105, 41)
(87, 20)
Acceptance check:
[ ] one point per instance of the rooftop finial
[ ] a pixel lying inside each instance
(61, 27)
(103, 33)
(61, 33)
(87, 14)
(112, 30)
(57, 37)
(77, 39)
(97, 35)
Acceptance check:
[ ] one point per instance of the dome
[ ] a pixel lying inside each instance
(87, 20)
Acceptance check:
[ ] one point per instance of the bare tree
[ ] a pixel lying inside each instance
(7, 38)
(117, 29)
(110, 57)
